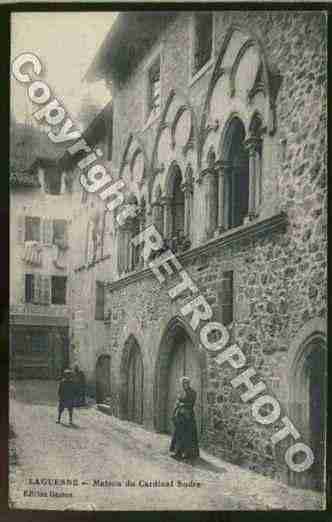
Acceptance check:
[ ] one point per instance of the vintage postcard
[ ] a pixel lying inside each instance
(168, 260)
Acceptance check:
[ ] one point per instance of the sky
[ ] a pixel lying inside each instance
(65, 43)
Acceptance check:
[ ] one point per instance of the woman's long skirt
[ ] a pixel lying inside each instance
(184, 441)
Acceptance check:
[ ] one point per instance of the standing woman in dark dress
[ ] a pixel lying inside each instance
(184, 444)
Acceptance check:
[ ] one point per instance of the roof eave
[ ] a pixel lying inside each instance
(126, 43)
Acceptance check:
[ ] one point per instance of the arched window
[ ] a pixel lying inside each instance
(236, 175)
(129, 254)
(177, 205)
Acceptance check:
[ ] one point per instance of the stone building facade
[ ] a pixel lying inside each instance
(219, 134)
(50, 333)
(91, 240)
(217, 127)
(40, 256)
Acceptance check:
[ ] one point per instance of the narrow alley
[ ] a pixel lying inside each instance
(118, 465)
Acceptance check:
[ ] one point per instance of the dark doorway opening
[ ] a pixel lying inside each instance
(132, 382)
(178, 357)
(103, 378)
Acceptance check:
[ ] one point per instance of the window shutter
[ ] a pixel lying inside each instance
(120, 252)
(37, 289)
(108, 244)
(20, 229)
(66, 231)
(102, 235)
(86, 246)
(60, 230)
(22, 291)
(47, 235)
(26, 292)
(36, 225)
(79, 252)
(100, 300)
(45, 290)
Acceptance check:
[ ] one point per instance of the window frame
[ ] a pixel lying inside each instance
(154, 95)
(65, 235)
(51, 183)
(42, 344)
(98, 315)
(31, 278)
(53, 278)
(149, 116)
(26, 227)
(226, 275)
(194, 75)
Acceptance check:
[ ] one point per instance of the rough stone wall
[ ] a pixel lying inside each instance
(293, 43)
(130, 97)
(87, 335)
(266, 320)
(279, 281)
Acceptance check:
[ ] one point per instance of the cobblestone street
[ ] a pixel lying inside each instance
(101, 447)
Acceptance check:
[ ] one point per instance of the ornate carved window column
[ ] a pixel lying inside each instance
(142, 226)
(253, 146)
(126, 231)
(158, 216)
(167, 205)
(120, 249)
(142, 218)
(187, 188)
(224, 172)
(210, 183)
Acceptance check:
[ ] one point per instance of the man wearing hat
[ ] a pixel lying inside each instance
(66, 394)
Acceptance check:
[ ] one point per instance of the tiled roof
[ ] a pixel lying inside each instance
(98, 129)
(23, 179)
(131, 35)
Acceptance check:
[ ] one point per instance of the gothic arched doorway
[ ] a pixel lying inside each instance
(132, 374)
(308, 408)
(178, 357)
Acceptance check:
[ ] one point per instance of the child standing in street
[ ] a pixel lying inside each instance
(66, 394)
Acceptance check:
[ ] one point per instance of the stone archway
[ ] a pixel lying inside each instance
(308, 390)
(103, 378)
(178, 355)
(132, 382)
